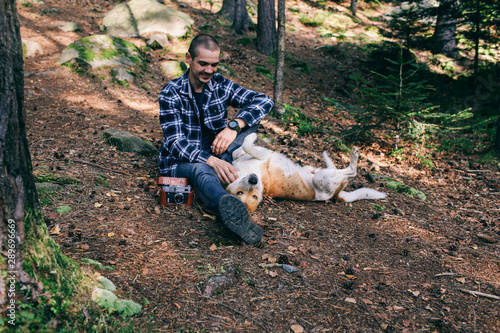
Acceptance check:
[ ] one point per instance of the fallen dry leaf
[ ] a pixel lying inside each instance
(56, 230)
(272, 274)
(350, 300)
(297, 329)
(213, 247)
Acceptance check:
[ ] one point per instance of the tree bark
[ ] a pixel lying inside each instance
(354, 7)
(497, 140)
(17, 188)
(446, 28)
(266, 27)
(236, 12)
(280, 60)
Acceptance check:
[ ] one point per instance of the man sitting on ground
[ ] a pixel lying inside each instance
(198, 141)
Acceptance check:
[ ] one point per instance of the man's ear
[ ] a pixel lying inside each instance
(188, 58)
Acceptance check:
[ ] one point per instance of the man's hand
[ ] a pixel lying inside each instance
(223, 140)
(226, 137)
(226, 172)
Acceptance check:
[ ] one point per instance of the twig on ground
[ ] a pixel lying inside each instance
(478, 293)
(447, 274)
(101, 167)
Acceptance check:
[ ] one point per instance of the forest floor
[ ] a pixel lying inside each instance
(396, 265)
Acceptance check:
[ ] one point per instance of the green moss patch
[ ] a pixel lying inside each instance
(100, 51)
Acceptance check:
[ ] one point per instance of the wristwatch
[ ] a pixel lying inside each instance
(233, 124)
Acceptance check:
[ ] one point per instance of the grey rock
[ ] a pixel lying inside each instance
(128, 142)
(31, 48)
(69, 27)
(139, 17)
(158, 41)
(121, 75)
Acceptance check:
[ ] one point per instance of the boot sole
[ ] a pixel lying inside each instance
(235, 216)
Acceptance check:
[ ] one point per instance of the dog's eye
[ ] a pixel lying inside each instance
(255, 197)
(239, 193)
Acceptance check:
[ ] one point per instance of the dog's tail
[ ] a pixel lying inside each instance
(328, 161)
(360, 194)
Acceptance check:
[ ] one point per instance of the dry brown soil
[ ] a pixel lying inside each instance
(395, 265)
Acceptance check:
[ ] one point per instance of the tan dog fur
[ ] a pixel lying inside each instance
(263, 172)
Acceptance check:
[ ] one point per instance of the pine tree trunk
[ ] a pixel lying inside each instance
(236, 12)
(446, 28)
(17, 189)
(497, 140)
(354, 7)
(266, 27)
(280, 59)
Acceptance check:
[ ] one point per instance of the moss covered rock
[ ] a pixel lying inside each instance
(128, 142)
(173, 68)
(98, 51)
(104, 298)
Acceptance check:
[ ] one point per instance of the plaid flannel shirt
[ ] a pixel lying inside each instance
(179, 117)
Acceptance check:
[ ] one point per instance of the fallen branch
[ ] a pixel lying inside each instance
(447, 274)
(478, 293)
(101, 167)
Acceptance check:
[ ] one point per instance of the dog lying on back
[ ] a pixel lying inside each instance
(263, 172)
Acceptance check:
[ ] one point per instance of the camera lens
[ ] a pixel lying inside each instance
(179, 198)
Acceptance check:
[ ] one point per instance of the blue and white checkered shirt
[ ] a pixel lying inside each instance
(179, 117)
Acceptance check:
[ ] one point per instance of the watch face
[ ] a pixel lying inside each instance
(233, 124)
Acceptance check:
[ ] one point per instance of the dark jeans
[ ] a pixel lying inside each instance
(205, 180)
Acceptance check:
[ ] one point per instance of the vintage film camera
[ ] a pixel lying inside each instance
(175, 191)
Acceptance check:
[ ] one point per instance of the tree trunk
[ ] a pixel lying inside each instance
(280, 60)
(497, 140)
(477, 33)
(17, 189)
(23, 234)
(354, 7)
(446, 28)
(266, 27)
(236, 12)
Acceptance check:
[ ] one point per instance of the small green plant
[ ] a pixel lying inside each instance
(264, 72)
(379, 208)
(101, 181)
(27, 4)
(425, 161)
(398, 154)
(296, 117)
(401, 187)
(50, 178)
(313, 20)
(395, 97)
(301, 66)
(245, 41)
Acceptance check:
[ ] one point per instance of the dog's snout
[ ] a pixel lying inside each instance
(253, 179)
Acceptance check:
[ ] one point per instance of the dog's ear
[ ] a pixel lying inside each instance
(328, 161)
